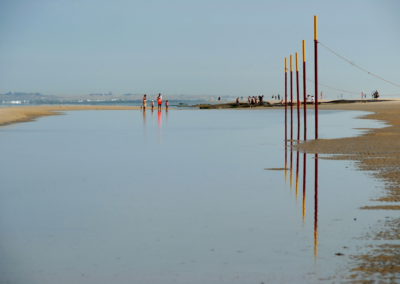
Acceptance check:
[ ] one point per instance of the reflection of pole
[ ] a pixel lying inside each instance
(291, 163)
(316, 73)
(316, 207)
(304, 90)
(298, 96)
(285, 162)
(291, 97)
(297, 173)
(304, 185)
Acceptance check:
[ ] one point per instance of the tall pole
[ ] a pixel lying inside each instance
(285, 99)
(298, 96)
(291, 97)
(304, 90)
(285, 114)
(316, 73)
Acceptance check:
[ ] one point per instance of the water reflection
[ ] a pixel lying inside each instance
(316, 206)
(286, 168)
(159, 117)
(144, 116)
(304, 188)
(291, 163)
(297, 173)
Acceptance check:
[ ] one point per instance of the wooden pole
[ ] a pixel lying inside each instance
(304, 90)
(285, 114)
(316, 73)
(291, 97)
(285, 99)
(298, 96)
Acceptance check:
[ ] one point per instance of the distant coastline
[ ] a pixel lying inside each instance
(23, 113)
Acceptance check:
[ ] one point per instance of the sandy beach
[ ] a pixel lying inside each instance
(9, 115)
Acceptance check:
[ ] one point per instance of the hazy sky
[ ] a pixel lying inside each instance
(211, 47)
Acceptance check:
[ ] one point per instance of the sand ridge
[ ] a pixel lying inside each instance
(9, 115)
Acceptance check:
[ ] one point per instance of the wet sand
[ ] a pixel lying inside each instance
(378, 151)
(9, 115)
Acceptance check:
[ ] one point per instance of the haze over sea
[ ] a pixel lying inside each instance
(175, 197)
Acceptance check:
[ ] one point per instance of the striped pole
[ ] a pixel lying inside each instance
(304, 90)
(316, 73)
(285, 99)
(298, 96)
(285, 115)
(291, 97)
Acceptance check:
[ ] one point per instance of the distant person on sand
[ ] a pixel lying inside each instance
(166, 105)
(159, 101)
(144, 102)
(237, 100)
(261, 99)
(152, 105)
(219, 98)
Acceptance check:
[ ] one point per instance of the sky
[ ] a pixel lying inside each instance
(208, 47)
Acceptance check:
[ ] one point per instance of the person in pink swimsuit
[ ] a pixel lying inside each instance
(159, 101)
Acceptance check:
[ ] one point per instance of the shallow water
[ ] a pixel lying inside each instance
(178, 197)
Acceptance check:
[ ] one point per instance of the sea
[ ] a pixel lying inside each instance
(185, 196)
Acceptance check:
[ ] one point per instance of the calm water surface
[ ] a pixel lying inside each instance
(178, 197)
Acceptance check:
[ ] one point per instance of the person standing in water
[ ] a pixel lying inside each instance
(152, 105)
(159, 101)
(166, 105)
(144, 102)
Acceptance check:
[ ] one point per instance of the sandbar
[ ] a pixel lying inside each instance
(9, 115)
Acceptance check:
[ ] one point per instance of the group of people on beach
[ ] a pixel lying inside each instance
(255, 100)
(159, 100)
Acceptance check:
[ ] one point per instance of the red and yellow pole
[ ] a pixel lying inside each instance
(285, 115)
(291, 97)
(304, 90)
(298, 96)
(316, 73)
(285, 99)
